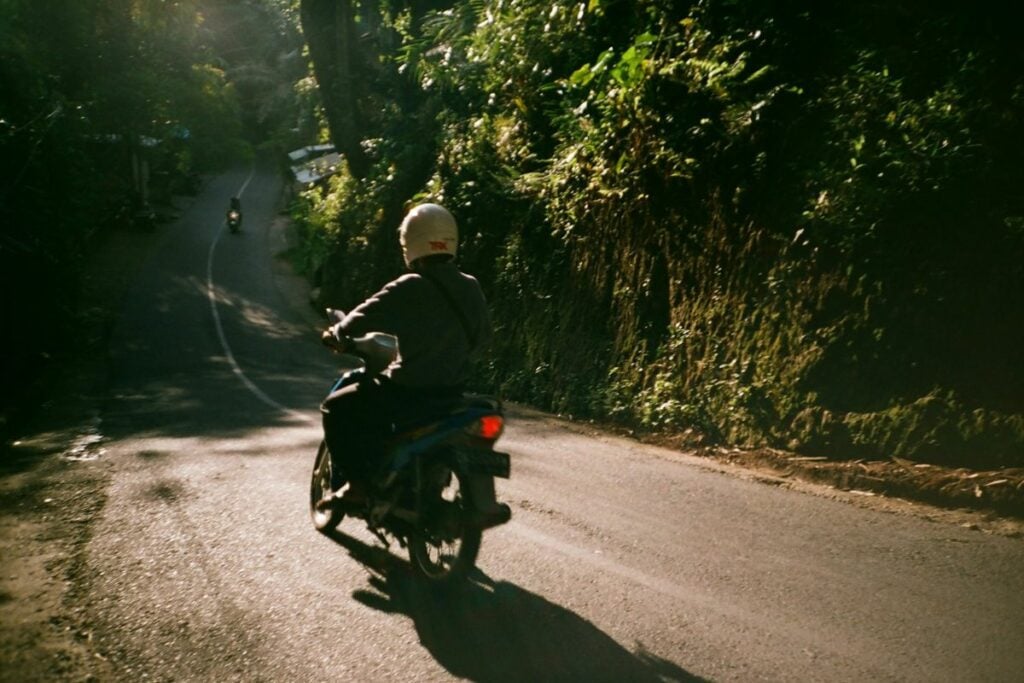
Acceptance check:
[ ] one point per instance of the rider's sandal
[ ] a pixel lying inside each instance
(352, 498)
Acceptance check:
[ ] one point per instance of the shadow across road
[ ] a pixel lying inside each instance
(491, 632)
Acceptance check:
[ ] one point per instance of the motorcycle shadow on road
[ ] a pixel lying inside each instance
(494, 631)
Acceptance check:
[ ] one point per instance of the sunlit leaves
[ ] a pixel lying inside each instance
(724, 185)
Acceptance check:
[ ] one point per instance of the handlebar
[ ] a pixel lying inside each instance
(332, 341)
(377, 349)
(331, 337)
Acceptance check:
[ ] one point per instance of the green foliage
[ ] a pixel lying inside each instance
(257, 48)
(785, 224)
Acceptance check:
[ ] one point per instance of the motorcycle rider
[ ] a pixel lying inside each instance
(234, 205)
(440, 318)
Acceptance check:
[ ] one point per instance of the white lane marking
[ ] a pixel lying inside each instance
(241, 190)
(235, 368)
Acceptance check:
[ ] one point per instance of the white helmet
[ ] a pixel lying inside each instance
(428, 229)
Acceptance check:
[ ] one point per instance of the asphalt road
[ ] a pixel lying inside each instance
(623, 562)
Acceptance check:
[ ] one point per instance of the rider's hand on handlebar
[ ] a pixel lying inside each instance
(330, 338)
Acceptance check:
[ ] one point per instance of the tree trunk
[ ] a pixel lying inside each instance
(329, 27)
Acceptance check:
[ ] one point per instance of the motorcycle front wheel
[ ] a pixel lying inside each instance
(319, 489)
(444, 548)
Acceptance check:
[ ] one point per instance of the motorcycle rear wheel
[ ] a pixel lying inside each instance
(445, 556)
(320, 488)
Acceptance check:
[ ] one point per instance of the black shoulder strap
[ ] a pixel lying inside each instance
(454, 306)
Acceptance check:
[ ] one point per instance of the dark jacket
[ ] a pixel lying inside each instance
(433, 345)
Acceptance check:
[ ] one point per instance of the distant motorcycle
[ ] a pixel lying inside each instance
(234, 219)
(234, 215)
(436, 494)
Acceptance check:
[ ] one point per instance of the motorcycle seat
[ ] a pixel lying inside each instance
(438, 409)
(477, 402)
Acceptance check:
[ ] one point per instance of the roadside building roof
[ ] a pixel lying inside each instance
(316, 170)
(308, 152)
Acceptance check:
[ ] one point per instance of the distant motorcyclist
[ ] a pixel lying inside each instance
(234, 213)
(440, 318)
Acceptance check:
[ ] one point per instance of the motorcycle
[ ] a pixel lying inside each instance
(234, 219)
(435, 495)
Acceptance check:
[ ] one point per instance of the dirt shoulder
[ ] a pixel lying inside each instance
(995, 493)
(47, 510)
(53, 480)
(987, 500)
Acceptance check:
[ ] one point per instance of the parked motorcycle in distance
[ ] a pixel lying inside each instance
(435, 495)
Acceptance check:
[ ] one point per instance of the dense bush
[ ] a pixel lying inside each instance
(793, 224)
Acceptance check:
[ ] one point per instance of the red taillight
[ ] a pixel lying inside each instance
(490, 427)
